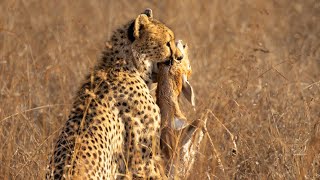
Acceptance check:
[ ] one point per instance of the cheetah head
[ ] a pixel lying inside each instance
(152, 40)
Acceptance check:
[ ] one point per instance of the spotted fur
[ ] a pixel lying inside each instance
(113, 130)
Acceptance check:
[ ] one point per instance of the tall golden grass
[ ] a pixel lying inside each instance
(256, 73)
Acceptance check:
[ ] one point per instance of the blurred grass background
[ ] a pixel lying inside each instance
(256, 73)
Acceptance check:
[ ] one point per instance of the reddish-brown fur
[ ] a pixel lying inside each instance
(177, 147)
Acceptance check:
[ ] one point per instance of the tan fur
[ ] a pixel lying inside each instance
(177, 148)
(113, 129)
(170, 82)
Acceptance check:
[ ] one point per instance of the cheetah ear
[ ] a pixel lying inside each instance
(141, 22)
(148, 12)
(187, 90)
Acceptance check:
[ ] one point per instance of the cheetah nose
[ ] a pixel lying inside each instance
(180, 57)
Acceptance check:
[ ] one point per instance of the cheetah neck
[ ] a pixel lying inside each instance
(119, 54)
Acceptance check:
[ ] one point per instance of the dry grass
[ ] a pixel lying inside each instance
(256, 72)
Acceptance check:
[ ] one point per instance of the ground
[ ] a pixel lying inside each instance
(255, 68)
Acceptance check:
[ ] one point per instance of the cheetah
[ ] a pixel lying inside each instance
(113, 130)
(180, 138)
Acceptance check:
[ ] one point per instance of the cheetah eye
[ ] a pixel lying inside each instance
(168, 44)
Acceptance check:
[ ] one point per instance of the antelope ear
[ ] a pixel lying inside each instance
(187, 90)
(139, 24)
